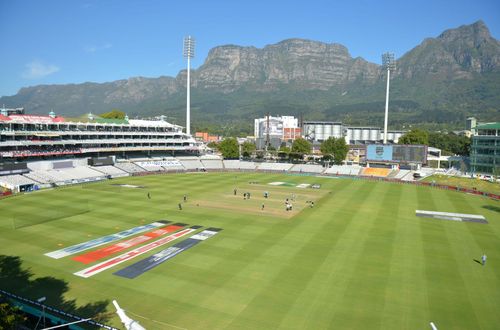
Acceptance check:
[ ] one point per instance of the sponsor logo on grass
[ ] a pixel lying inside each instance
(144, 265)
(451, 216)
(115, 248)
(90, 271)
(104, 240)
(280, 183)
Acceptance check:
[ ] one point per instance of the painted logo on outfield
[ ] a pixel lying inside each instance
(115, 248)
(144, 265)
(289, 184)
(103, 240)
(90, 271)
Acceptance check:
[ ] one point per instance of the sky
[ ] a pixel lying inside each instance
(71, 41)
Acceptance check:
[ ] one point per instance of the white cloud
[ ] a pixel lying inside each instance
(95, 48)
(37, 69)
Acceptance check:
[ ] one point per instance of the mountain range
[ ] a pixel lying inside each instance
(438, 83)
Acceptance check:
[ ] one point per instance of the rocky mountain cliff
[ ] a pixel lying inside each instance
(443, 79)
(455, 54)
(305, 63)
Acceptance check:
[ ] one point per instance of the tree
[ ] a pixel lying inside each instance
(327, 147)
(247, 148)
(335, 149)
(284, 149)
(283, 152)
(340, 151)
(113, 114)
(450, 143)
(415, 136)
(301, 146)
(212, 145)
(10, 317)
(229, 148)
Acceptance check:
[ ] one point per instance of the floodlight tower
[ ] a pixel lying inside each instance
(188, 54)
(389, 64)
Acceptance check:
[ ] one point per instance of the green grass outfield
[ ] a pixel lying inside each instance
(360, 259)
(470, 183)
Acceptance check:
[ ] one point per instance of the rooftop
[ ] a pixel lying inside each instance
(488, 126)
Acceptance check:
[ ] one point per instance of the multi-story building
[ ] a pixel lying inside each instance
(322, 130)
(206, 137)
(32, 137)
(274, 130)
(485, 149)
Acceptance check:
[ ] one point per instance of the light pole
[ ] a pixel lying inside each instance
(389, 64)
(188, 54)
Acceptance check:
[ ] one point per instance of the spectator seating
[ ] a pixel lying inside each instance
(426, 171)
(110, 170)
(15, 180)
(191, 163)
(408, 177)
(129, 167)
(39, 176)
(236, 164)
(401, 174)
(307, 168)
(274, 167)
(150, 166)
(212, 164)
(344, 170)
(375, 171)
(172, 164)
(79, 173)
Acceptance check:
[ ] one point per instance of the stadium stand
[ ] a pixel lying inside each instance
(54, 176)
(172, 165)
(212, 164)
(307, 168)
(191, 163)
(80, 173)
(375, 171)
(408, 177)
(281, 167)
(16, 180)
(39, 176)
(344, 170)
(401, 174)
(235, 164)
(150, 166)
(110, 170)
(129, 167)
(426, 171)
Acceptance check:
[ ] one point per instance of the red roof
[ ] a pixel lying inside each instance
(4, 118)
(35, 119)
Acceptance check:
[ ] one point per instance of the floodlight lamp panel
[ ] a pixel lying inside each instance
(189, 44)
(388, 61)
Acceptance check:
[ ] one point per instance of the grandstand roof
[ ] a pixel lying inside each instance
(142, 122)
(27, 119)
(110, 121)
(489, 126)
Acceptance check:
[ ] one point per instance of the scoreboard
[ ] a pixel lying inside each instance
(13, 168)
(101, 161)
(396, 153)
